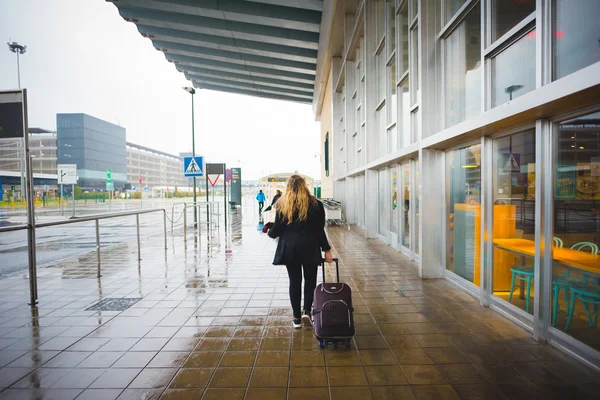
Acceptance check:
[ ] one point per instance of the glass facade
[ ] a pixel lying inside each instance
(395, 217)
(575, 35)
(514, 219)
(404, 123)
(436, 87)
(576, 271)
(95, 146)
(463, 74)
(383, 210)
(406, 219)
(508, 13)
(463, 199)
(513, 70)
(452, 7)
(402, 53)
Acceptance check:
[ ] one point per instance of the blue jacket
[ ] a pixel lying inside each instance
(261, 197)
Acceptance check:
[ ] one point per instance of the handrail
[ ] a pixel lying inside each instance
(12, 228)
(96, 218)
(89, 218)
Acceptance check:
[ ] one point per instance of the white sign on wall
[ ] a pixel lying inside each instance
(67, 174)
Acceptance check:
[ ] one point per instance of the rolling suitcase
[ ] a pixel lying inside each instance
(333, 312)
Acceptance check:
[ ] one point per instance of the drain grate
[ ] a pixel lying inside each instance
(113, 304)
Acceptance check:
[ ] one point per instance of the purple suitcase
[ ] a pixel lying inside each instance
(333, 312)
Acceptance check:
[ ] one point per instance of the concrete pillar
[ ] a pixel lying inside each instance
(432, 213)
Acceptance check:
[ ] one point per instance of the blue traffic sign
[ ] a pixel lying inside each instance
(193, 166)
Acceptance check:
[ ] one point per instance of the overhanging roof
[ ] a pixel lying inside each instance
(265, 48)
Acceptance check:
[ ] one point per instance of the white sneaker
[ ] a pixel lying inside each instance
(306, 319)
(297, 323)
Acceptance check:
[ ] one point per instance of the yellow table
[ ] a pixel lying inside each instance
(575, 259)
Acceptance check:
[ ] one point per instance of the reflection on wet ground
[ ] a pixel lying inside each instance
(210, 319)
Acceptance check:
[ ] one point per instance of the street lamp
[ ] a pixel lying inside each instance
(17, 49)
(192, 91)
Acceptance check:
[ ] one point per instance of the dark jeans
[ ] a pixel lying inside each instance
(310, 282)
(261, 204)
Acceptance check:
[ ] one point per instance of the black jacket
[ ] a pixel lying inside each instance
(301, 241)
(275, 198)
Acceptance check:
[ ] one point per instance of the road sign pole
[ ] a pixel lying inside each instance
(194, 155)
(73, 188)
(207, 205)
(62, 199)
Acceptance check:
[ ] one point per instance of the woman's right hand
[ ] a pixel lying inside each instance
(328, 257)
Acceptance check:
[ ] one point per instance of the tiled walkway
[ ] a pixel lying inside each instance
(213, 322)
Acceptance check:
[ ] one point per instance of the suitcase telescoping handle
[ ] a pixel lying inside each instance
(337, 269)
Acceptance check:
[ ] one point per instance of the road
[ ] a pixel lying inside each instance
(60, 242)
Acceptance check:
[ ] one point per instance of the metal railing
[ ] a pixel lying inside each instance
(211, 221)
(96, 218)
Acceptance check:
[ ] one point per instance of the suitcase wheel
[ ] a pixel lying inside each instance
(321, 344)
(348, 344)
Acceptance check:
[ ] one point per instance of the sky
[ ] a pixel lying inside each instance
(82, 57)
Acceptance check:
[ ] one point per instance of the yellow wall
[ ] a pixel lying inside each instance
(326, 126)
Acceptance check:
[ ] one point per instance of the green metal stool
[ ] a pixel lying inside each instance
(565, 282)
(522, 273)
(581, 246)
(589, 295)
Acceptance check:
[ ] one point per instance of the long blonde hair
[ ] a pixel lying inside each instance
(296, 201)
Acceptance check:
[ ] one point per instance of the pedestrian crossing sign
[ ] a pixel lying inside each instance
(193, 166)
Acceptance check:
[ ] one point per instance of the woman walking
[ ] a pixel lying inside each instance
(300, 227)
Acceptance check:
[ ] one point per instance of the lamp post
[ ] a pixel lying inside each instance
(19, 49)
(192, 91)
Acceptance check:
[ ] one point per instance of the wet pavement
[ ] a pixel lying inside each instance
(210, 319)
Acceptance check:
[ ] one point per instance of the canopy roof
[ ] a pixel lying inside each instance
(265, 48)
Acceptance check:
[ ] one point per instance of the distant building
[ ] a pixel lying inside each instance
(95, 146)
(42, 145)
(155, 167)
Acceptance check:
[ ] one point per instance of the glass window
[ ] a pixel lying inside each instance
(452, 7)
(513, 70)
(395, 216)
(417, 197)
(463, 196)
(393, 98)
(576, 35)
(513, 221)
(508, 13)
(381, 5)
(390, 37)
(414, 9)
(404, 122)
(384, 217)
(406, 181)
(414, 67)
(415, 124)
(402, 54)
(463, 76)
(577, 228)
(326, 153)
(380, 65)
(382, 132)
